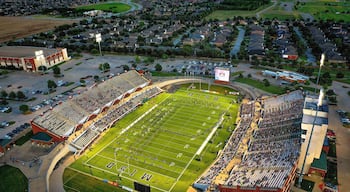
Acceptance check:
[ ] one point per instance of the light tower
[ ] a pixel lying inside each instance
(319, 70)
(98, 40)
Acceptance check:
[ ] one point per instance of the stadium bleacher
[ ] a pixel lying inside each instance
(273, 147)
(63, 119)
(231, 146)
(113, 115)
(85, 139)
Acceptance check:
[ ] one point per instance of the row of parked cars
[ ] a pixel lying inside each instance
(52, 102)
(17, 130)
(344, 117)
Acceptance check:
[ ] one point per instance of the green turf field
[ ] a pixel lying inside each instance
(229, 14)
(12, 179)
(108, 7)
(323, 10)
(160, 148)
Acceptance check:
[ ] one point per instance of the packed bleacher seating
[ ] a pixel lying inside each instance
(231, 146)
(62, 119)
(272, 150)
(113, 115)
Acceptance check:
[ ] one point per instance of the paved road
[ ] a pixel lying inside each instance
(342, 134)
(266, 9)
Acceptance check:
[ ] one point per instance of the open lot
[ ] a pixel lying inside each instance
(17, 27)
(160, 148)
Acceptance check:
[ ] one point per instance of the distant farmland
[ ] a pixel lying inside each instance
(108, 7)
(18, 27)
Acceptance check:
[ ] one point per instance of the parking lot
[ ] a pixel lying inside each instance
(34, 85)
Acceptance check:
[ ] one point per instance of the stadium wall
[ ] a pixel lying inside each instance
(37, 129)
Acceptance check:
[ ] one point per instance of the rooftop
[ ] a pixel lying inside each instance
(4, 142)
(320, 163)
(42, 137)
(313, 106)
(309, 119)
(24, 51)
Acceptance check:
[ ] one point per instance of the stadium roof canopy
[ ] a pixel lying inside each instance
(24, 51)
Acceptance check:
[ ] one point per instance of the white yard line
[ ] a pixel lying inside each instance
(137, 120)
(156, 173)
(199, 151)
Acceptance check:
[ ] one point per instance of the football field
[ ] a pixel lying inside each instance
(156, 146)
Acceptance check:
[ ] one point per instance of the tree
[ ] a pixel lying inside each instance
(94, 51)
(24, 108)
(137, 59)
(56, 70)
(42, 68)
(266, 82)
(158, 67)
(4, 94)
(12, 95)
(104, 67)
(340, 75)
(51, 84)
(126, 68)
(96, 77)
(20, 95)
(134, 65)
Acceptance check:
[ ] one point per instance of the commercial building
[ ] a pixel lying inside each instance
(31, 58)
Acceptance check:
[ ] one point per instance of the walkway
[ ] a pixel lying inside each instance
(266, 9)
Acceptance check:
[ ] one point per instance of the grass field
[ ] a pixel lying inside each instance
(160, 148)
(229, 14)
(280, 14)
(108, 7)
(12, 179)
(24, 138)
(260, 85)
(324, 10)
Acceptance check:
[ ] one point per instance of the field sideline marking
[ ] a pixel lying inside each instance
(70, 178)
(199, 151)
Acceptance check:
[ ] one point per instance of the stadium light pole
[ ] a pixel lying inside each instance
(319, 70)
(98, 40)
(319, 104)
